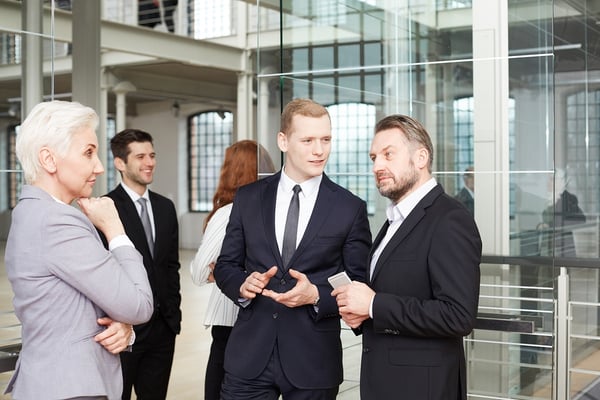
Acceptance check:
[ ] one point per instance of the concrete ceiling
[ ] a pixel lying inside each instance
(161, 66)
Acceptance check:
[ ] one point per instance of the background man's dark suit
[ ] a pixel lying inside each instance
(336, 237)
(464, 196)
(163, 269)
(559, 219)
(427, 285)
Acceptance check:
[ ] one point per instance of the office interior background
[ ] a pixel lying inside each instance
(508, 87)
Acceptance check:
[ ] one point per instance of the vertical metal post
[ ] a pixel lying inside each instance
(32, 81)
(561, 341)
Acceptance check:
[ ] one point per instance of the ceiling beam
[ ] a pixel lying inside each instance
(155, 85)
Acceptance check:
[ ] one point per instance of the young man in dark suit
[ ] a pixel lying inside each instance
(150, 221)
(286, 340)
(423, 286)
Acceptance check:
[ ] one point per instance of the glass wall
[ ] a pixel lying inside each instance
(509, 91)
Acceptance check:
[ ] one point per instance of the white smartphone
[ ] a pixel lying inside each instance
(339, 279)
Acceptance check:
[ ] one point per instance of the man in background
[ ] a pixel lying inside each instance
(150, 221)
(466, 194)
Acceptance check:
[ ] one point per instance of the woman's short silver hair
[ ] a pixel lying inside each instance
(50, 124)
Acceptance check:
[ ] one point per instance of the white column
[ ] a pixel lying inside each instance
(244, 121)
(490, 98)
(491, 165)
(120, 90)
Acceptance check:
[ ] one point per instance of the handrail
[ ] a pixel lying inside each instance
(517, 323)
(8, 357)
(530, 261)
(503, 323)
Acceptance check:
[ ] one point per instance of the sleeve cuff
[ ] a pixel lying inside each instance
(371, 307)
(243, 302)
(132, 338)
(118, 241)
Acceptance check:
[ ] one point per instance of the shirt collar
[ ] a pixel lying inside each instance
(58, 201)
(133, 194)
(405, 206)
(309, 186)
(393, 213)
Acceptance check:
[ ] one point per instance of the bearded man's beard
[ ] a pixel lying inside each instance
(402, 187)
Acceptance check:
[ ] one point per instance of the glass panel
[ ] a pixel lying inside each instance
(584, 335)
(506, 361)
(508, 88)
(322, 58)
(349, 163)
(531, 88)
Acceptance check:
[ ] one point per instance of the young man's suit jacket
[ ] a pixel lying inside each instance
(337, 238)
(163, 269)
(427, 285)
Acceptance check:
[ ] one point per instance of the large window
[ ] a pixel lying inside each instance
(10, 48)
(9, 182)
(349, 163)
(111, 171)
(463, 128)
(351, 96)
(332, 80)
(15, 180)
(209, 134)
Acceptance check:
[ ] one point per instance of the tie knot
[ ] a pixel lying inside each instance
(142, 201)
(297, 189)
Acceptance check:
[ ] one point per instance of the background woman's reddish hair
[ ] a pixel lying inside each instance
(240, 167)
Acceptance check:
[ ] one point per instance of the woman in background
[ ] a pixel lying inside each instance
(240, 167)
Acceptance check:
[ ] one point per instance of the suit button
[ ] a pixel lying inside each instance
(366, 350)
(283, 282)
(275, 315)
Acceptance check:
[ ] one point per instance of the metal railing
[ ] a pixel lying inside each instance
(537, 332)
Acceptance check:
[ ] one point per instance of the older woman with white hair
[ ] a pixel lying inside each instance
(69, 291)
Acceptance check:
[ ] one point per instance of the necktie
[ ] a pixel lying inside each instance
(146, 223)
(291, 228)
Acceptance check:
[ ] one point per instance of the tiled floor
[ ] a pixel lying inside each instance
(191, 353)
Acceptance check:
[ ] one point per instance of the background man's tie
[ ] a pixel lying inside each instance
(146, 223)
